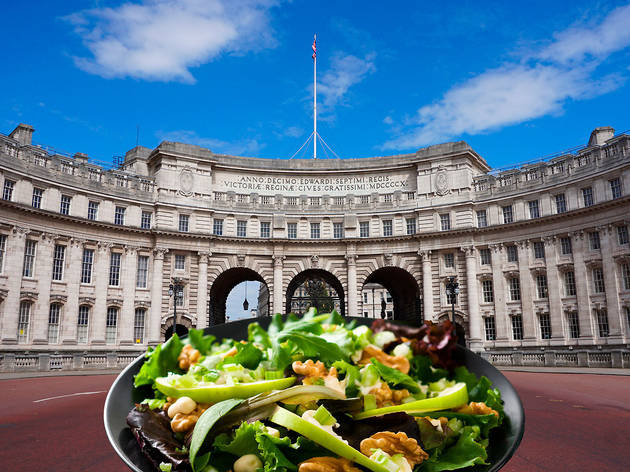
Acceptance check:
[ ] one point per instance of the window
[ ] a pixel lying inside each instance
(338, 230)
(450, 297)
(539, 250)
(37, 197)
(316, 201)
(145, 220)
(565, 245)
(602, 323)
(541, 286)
(574, 324)
(487, 290)
(387, 198)
(265, 200)
(561, 203)
(180, 262)
(265, 230)
(569, 284)
(587, 196)
(338, 201)
(534, 210)
(598, 280)
(3, 250)
(593, 240)
(92, 213)
(545, 325)
(86, 266)
(411, 226)
(615, 188)
(143, 270)
(7, 191)
(24, 320)
(217, 226)
(365, 199)
(241, 228)
(138, 325)
(364, 229)
(111, 325)
(292, 230)
(515, 289)
(59, 256)
(119, 216)
(53, 323)
(445, 222)
(411, 196)
(29, 258)
(82, 324)
(365, 297)
(184, 221)
(242, 198)
(482, 219)
(179, 301)
(484, 256)
(512, 253)
(625, 276)
(517, 327)
(491, 330)
(508, 216)
(315, 232)
(622, 235)
(449, 260)
(64, 207)
(114, 269)
(387, 227)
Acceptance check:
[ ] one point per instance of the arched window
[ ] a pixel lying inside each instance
(83, 323)
(111, 325)
(138, 325)
(53, 323)
(24, 321)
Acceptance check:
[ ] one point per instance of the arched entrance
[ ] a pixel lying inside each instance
(182, 328)
(318, 288)
(222, 287)
(461, 327)
(404, 291)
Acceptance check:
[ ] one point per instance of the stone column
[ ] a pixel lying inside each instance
(98, 312)
(474, 317)
(277, 284)
(353, 307)
(581, 285)
(427, 286)
(43, 273)
(74, 262)
(125, 323)
(155, 319)
(527, 294)
(15, 259)
(553, 292)
(202, 290)
(500, 292)
(612, 287)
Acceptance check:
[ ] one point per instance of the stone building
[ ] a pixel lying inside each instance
(87, 253)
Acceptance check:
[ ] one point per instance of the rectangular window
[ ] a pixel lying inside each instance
(292, 230)
(92, 213)
(539, 250)
(315, 201)
(491, 330)
(37, 197)
(184, 220)
(265, 229)
(517, 327)
(615, 188)
(142, 273)
(450, 296)
(482, 219)
(241, 228)
(292, 201)
(445, 222)
(53, 323)
(512, 253)
(545, 325)
(488, 292)
(484, 256)
(593, 241)
(29, 258)
(7, 191)
(587, 196)
(3, 250)
(86, 266)
(315, 232)
(602, 323)
(24, 321)
(338, 230)
(364, 229)
(111, 325)
(180, 262)
(119, 216)
(625, 276)
(83, 324)
(365, 297)
(565, 245)
(138, 325)
(387, 228)
(541, 286)
(145, 221)
(217, 226)
(561, 203)
(265, 200)
(508, 216)
(449, 260)
(338, 201)
(411, 226)
(574, 324)
(515, 289)
(598, 280)
(569, 284)
(64, 207)
(387, 198)
(411, 196)
(534, 210)
(59, 257)
(114, 269)
(622, 235)
(364, 199)
(179, 299)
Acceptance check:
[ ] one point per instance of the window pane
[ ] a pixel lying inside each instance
(86, 267)
(491, 331)
(387, 227)
(138, 325)
(114, 269)
(411, 226)
(517, 327)
(111, 325)
(143, 269)
(59, 257)
(53, 323)
(24, 322)
(82, 324)
(29, 257)
(292, 230)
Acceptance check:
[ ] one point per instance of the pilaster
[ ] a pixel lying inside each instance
(74, 262)
(353, 307)
(581, 285)
(553, 291)
(125, 323)
(155, 319)
(202, 290)
(427, 286)
(474, 317)
(278, 289)
(527, 294)
(611, 284)
(500, 292)
(15, 259)
(98, 312)
(43, 273)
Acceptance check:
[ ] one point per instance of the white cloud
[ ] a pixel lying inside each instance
(539, 85)
(163, 39)
(244, 147)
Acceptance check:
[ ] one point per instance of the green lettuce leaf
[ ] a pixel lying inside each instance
(485, 422)
(395, 378)
(201, 342)
(248, 355)
(160, 361)
(346, 340)
(465, 452)
(480, 390)
(314, 347)
(256, 334)
(422, 369)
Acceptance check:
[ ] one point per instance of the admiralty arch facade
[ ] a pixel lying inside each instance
(540, 251)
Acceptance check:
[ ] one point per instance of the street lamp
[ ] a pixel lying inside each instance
(452, 289)
(176, 290)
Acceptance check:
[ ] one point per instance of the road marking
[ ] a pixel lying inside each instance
(69, 395)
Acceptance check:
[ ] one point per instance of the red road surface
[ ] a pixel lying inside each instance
(573, 422)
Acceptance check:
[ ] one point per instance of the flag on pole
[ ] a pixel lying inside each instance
(314, 49)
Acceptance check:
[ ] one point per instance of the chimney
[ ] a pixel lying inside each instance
(600, 135)
(23, 134)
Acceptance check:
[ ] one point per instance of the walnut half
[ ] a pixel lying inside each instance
(396, 362)
(395, 443)
(477, 408)
(327, 464)
(188, 356)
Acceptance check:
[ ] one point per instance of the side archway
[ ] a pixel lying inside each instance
(318, 288)
(404, 291)
(461, 325)
(168, 327)
(223, 285)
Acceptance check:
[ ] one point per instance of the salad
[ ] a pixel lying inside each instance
(314, 394)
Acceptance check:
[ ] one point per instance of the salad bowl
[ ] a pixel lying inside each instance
(122, 396)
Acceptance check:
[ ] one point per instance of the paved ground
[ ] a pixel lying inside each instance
(574, 422)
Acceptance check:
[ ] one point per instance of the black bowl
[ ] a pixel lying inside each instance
(121, 398)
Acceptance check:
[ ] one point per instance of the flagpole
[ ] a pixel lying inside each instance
(314, 99)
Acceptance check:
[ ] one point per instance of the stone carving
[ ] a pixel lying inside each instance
(351, 259)
(186, 180)
(388, 259)
(204, 256)
(241, 260)
(315, 261)
(442, 186)
(86, 300)
(468, 250)
(159, 253)
(425, 255)
(277, 260)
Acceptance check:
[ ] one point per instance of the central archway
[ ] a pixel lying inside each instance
(315, 287)
(404, 291)
(223, 285)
